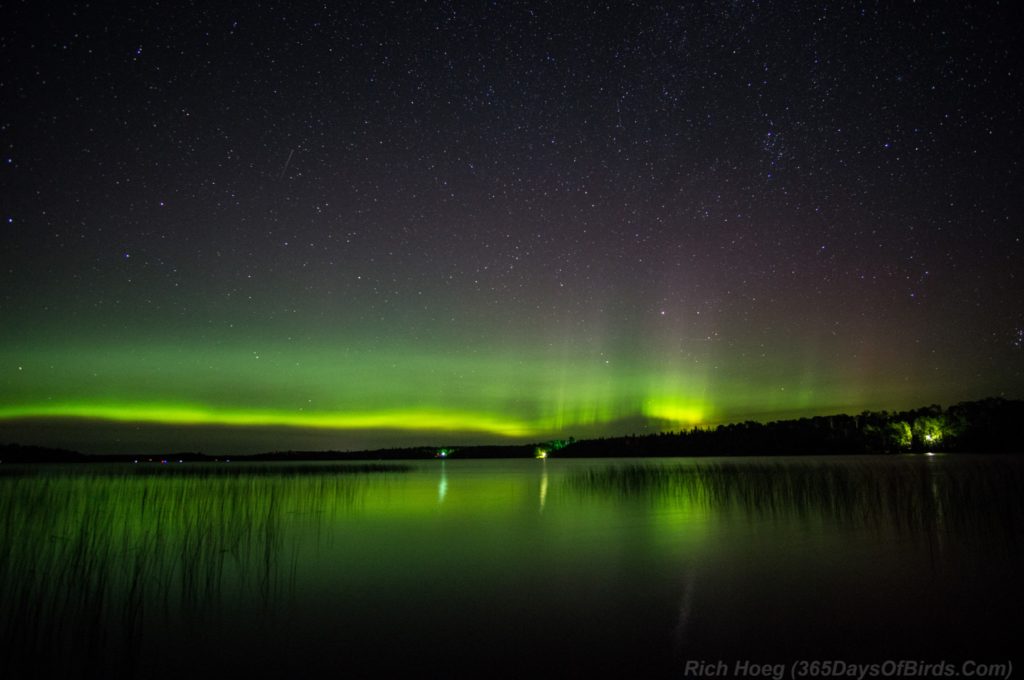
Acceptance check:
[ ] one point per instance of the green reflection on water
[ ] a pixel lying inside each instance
(909, 494)
(123, 567)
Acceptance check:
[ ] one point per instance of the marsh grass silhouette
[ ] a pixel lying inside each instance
(957, 520)
(908, 493)
(121, 566)
(98, 562)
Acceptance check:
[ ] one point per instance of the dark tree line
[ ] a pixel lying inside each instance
(986, 426)
(16, 453)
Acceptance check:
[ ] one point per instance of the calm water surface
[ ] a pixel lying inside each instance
(571, 567)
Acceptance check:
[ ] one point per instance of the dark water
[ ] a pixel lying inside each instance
(507, 568)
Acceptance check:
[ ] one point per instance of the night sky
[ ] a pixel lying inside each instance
(260, 226)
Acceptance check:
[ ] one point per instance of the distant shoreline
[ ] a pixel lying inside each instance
(985, 426)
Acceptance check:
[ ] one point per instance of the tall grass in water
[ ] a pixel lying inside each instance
(93, 560)
(909, 495)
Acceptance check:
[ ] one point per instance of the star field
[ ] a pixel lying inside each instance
(380, 223)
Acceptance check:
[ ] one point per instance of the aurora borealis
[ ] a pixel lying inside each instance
(239, 228)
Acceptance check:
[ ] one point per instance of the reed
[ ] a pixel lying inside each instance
(96, 560)
(907, 493)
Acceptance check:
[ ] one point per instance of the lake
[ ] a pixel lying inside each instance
(507, 567)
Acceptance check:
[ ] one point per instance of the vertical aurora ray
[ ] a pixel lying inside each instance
(514, 393)
(502, 397)
(351, 224)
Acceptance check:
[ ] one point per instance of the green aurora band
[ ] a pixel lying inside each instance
(481, 395)
(501, 397)
(263, 244)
